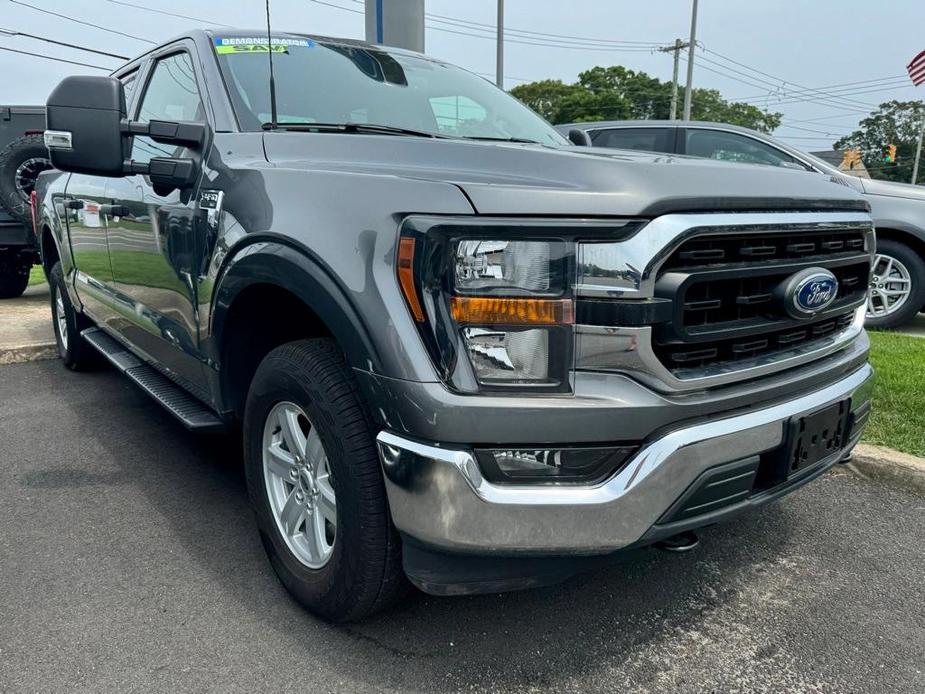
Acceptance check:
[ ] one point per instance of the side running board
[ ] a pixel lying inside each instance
(194, 414)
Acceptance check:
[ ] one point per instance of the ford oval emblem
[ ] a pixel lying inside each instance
(809, 291)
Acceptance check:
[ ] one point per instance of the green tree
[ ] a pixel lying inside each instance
(616, 93)
(893, 123)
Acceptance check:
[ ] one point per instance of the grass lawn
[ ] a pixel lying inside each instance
(898, 418)
(37, 276)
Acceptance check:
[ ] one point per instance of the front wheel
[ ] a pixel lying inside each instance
(316, 486)
(897, 286)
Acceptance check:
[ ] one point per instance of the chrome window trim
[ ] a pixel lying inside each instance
(634, 262)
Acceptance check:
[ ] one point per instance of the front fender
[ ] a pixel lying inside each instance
(276, 262)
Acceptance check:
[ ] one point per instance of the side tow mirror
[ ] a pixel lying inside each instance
(84, 125)
(579, 137)
(87, 132)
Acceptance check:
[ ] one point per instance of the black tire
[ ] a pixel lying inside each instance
(75, 352)
(16, 155)
(363, 573)
(14, 275)
(916, 268)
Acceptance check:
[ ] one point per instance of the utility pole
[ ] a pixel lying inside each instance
(499, 59)
(678, 46)
(918, 151)
(690, 63)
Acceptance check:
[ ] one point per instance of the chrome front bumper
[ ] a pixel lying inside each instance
(438, 496)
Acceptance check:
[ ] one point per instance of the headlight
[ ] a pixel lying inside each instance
(494, 299)
(492, 266)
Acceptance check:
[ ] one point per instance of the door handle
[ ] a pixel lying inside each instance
(74, 204)
(114, 210)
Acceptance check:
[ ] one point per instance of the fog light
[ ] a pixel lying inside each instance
(585, 465)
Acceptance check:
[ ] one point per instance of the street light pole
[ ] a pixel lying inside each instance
(499, 59)
(690, 63)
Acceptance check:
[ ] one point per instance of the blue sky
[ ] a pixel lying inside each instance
(776, 45)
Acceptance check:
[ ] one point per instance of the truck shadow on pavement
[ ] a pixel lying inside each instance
(195, 486)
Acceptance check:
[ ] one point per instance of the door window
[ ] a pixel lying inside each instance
(646, 139)
(726, 146)
(172, 94)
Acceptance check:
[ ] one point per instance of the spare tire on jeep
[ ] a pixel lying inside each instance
(20, 164)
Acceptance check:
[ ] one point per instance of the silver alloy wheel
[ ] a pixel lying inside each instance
(27, 173)
(61, 317)
(890, 286)
(299, 485)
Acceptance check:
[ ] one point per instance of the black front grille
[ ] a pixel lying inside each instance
(707, 251)
(726, 304)
(679, 355)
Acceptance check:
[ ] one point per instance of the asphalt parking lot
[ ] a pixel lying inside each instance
(129, 562)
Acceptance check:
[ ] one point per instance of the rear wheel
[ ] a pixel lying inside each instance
(897, 285)
(75, 352)
(316, 485)
(14, 274)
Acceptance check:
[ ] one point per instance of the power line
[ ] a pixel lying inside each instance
(211, 22)
(80, 21)
(13, 32)
(526, 32)
(522, 40)
(796, 92)
(59, 60)
(867, 109)
(834, 98)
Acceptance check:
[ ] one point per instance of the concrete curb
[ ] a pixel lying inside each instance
(24, 353)
(892, 467)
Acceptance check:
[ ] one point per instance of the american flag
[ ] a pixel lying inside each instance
(917, 69)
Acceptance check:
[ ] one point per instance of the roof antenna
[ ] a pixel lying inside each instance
(273, 123)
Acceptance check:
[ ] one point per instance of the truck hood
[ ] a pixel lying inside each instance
(509, 178)
(893, 189)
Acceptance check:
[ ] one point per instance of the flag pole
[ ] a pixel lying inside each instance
(918, 151)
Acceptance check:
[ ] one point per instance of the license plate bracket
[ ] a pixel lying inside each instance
(816, 436)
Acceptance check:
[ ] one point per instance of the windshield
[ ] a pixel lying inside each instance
(327, 82)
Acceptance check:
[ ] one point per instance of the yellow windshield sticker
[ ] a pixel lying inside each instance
(257, 44)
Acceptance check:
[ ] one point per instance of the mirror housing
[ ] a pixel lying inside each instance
(84, 125)
(579, 137)
(88, 132)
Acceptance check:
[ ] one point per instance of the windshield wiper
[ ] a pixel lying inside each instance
(488, 138)
(353, 128)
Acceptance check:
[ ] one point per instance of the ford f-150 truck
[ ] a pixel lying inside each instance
(461, 349)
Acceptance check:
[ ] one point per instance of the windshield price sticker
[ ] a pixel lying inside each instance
(256, 44)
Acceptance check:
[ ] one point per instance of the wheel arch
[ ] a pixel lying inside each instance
(902, 233)
(48, 249)
(269, 293)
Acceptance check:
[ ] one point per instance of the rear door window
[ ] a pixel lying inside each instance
(646, 139)
(726, 146)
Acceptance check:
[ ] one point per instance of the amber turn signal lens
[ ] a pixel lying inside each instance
(406, 277)
(472, 310)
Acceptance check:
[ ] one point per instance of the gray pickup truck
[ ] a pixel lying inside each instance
(22, 158)
(462, 350)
